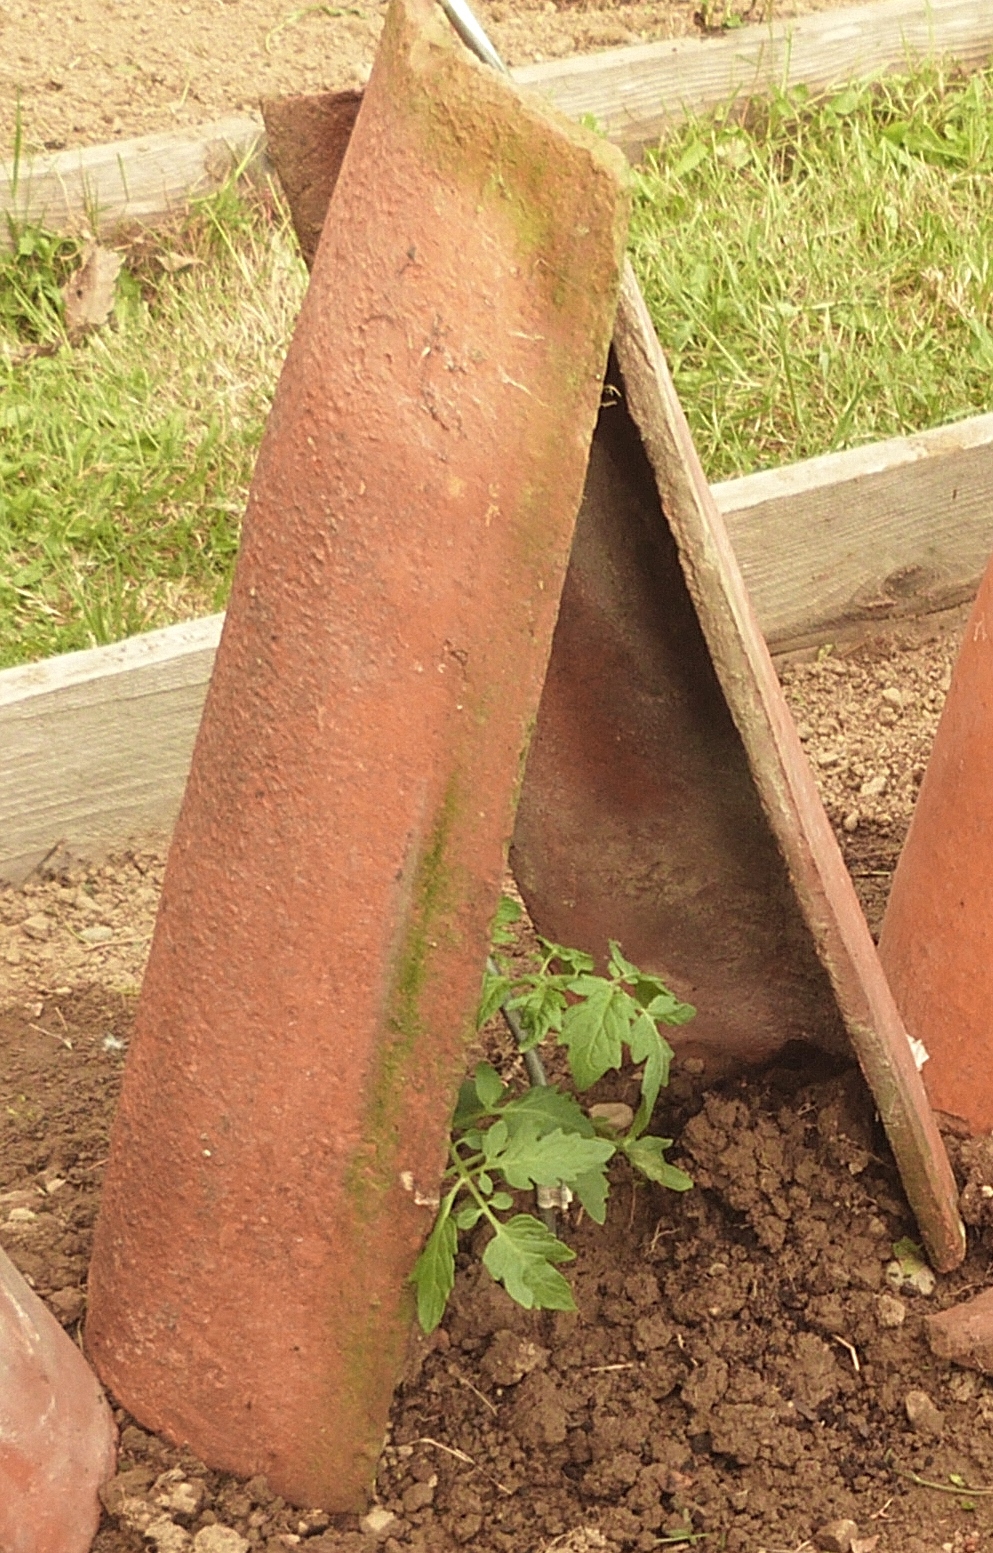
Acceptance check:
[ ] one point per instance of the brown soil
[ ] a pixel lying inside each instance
(101, 70)
(739, 1366)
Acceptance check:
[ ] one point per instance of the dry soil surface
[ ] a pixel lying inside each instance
(743, 1368)
(97, 70)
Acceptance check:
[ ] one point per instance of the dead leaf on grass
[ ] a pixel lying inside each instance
(172, 263)
(89, 292)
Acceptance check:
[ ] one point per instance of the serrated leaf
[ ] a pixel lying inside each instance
(540, 1009)
(550, 1108)
(592, 1189)
(469, 1216)
(496, 991)
(521, 1257)
(594, 1030)
(556, 1156)
(467, 1107)
(670, 1010)
(647, 1045)
(621, 967)
(576, 960)
(507, 913)
(648, 1156)
(501, 1201)
(494, 1141)
(434, 1272)
(489, 1086)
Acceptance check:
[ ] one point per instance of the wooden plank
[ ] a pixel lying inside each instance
(96, 745)
(140, 181)
(634, 93)
(897, 528)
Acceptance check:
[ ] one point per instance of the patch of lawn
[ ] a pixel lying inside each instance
(821, 273)
(125, 462)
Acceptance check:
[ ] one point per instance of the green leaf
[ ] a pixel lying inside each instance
(494, 1141)
(467, 1108)
(540, 1010)
(469, 1216)
(648, 1156)
(485, 1183)
(648, 1046)
(507, 913)
(489, 1086)
(501, 1201)
(691, 158)
(592, 1190)
(575, 960)
(434, 1272)
(621, 967)
(667, 1009)
(594, 1030)
(496, 991)
(556, 1156)
(550, 1108)
(521, 1257)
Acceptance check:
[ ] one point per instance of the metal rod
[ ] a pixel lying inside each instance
(472, 34)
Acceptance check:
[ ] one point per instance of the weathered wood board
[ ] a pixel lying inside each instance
(895, 528)
(129, 181)
(96, 745)
(633, 93)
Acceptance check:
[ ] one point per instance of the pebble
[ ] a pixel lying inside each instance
(417, 1497)
(851, 822)
(38, 926)
(21, 1216)
(804, 732)
(836, 1536)
(890, 1312)
(874, 787)
(378, 1522)
(893, 697)
(99, 933)
(167, 1536)
(922, 1414)
(179, 1496)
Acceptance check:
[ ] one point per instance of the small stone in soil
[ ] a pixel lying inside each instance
(167, 1537)
(851, 822)
(836, 1536)
(890, 1312)
(219, 1539)
(97, 934)
(378, 1522)
(922, 1415)
(874, 787)
(37, 927)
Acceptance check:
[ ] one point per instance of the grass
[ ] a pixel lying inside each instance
(124, 463)
(821, 274)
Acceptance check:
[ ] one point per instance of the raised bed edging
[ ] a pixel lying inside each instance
(97, 744)
(633, 93)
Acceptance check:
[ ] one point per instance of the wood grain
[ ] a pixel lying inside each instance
(96, 745)
(137, 181)
(635, 92)
(897, 528)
